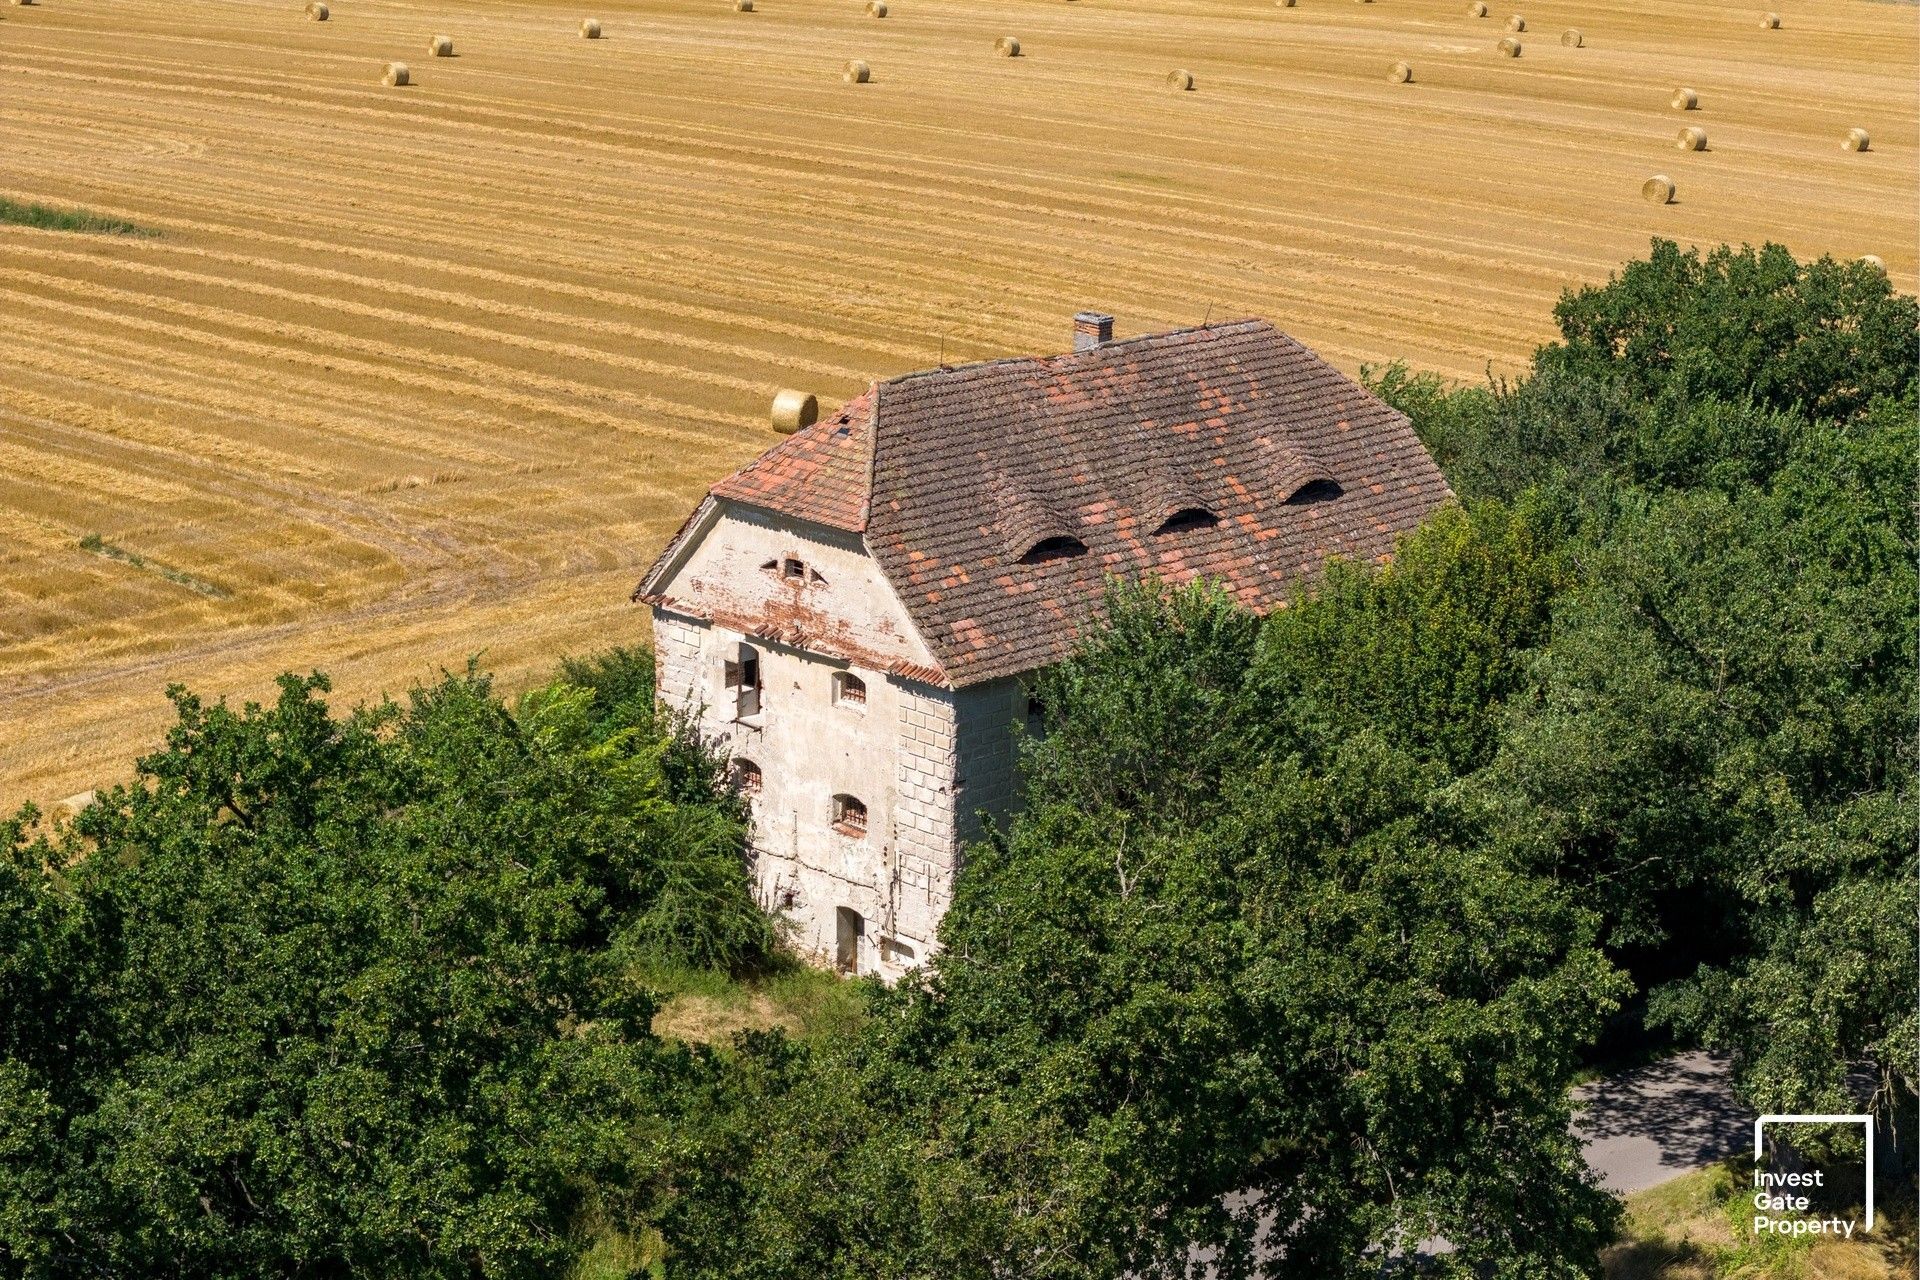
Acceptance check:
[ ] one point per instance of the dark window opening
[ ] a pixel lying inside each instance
(743, 677)
(849, 689)
(849, 933)
(792, 568)
(771, 566)
(1059, 548)
(1314, 491)
(1188, 518)
(849, 816)
(747, 778)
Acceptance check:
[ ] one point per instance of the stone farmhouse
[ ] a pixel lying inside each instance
(850, 617)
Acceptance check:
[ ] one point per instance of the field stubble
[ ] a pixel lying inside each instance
(409, 374)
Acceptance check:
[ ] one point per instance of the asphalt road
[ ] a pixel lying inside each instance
(1643, 1127)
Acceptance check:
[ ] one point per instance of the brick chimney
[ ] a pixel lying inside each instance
(1091, 329)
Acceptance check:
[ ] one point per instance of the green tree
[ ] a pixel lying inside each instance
(1424, 650)
(1823, 338)
(47, 978)
(1718, 749)
(357, 994)
(1507, 439)
(1199, 997)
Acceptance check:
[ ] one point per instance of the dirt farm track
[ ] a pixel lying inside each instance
(413, 373)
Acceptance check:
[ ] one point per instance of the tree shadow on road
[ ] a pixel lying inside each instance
(1684, 1105)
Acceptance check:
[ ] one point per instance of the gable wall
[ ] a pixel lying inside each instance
(852, 614)
(895, 753)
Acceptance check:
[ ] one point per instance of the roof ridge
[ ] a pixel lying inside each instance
(873, 457)
(1138, 340)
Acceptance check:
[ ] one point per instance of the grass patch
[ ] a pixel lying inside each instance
(47, 218)
(614, 1255)
(1699, 1227)
(701, 1006)
(99, 546)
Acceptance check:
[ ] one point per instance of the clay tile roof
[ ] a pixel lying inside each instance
(954, 475)
(1237, 419)
(818, 473)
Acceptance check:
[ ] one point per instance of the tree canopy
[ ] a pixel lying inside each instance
(1715, 744)
(349, 994)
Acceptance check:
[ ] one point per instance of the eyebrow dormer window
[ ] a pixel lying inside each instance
(1058, 548)
(1314, 491)
(1188, 518)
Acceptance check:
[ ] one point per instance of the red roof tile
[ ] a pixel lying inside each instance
(956, 475)
(818, 473)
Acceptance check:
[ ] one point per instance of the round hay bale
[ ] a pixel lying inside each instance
(1856, 140)
(876, 8)
(1572, 38)
(397, 74)
(23, 3)
(1691, 138)
(1516, 23)
(1007, 47)
(1510, 48)
(1477, 9)
(856, 72)
(590, 29)
(1658, 189)
(1400, 74)
(1769, 22)
(1283, 4)
(441, 46)
(793, 410)
(1872, 260)
(1180, 78)
(743, 6)
(318, 12)
(1685, 100)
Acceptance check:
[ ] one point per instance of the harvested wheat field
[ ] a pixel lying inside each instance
(414, 372)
